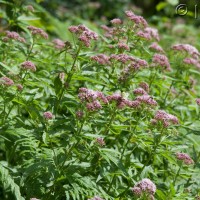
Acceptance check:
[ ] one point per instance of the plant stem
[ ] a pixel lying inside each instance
(170, 87)
(177, 173)
(110, 121)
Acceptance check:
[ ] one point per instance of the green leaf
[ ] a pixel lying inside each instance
(9, 184)
(161, 6)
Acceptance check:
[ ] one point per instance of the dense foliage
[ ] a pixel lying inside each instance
(111, 112)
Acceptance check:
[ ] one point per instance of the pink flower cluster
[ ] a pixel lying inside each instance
(121, 102)
(146, 100)
(156, 47)
(138, 20)
(59, 44)
(96, 198)
(123, 58)
(19, 87)
(122, 45)
(149, 33)
(38, 31)
(14, 35)
(6, 81)
(92, 99)
(185, 158)
(161, 60)
(145, 186)
(30, 8)
(79, 114)
(28, 65)
(116, 21)
(84, 34)
(48, 115)
(102, 59)
(165, 118)
(198, 101)
(139, 91)
(145, 86)
(100, 141)
(108, 31)
(187, 48)
(192, 61)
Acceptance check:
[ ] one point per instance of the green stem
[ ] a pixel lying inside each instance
(170, 87)
(110, 185)
(30, 51)
(156, 143)
(130, 136)
(152, 78)
(70, 74)
(110, 121)
(174, 182)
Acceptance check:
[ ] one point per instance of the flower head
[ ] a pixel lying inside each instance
(138, 20)
(102, 59)
(198, 101)
(156, 47)
(59, 44)
(100, 141)
(6, 81)
(38, 31)
(187, 48)
(28, 65)
(165, 118)
(48, 115)
(161, 60)
(145, 186)
(85, 35)
(116, 21)
(15, 36)
(185, 158)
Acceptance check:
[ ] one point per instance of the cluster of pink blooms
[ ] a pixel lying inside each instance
(59, 44)
(156, 47)
(185, 158)
(19, 87)
(146, 100)
(28, 65)
(165, 118)
(6, 81)
(116, 21)
(161, 60)
(136, 62)
(48, 115)
(139, 91)
(102, 59)
(138, 20)
(198, 101)
(13, 35)
(192, 61)
(96, 198)
(100, 141)
(38, 31)
(30, 8)
(187, 48)
(92, 98)
(84, 34)
(145, 86)
(108, 31)
(121, 102)
(79, 114)
(145, 186)
(122, 45)
(149, 33)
